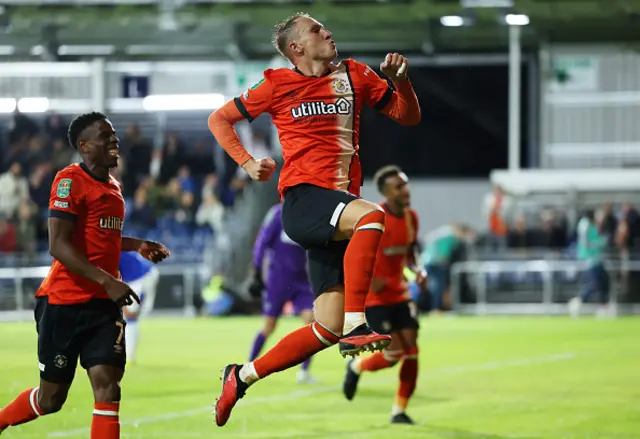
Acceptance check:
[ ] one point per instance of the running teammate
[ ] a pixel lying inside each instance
(79, 304)
(316, 108)
(389, 306)
(286, 280)
(142, 276)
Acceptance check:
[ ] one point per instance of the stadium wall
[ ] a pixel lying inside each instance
(440, 202)
(590, 105)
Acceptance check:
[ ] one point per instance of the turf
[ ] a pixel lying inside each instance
(494, 378)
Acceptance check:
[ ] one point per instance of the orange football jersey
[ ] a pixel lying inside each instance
(97, 208)
(400, 234)
(318, 121)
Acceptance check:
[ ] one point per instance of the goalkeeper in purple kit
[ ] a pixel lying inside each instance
(286, 280)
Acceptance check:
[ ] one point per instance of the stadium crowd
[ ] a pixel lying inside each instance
(172, 190)
(518, 229)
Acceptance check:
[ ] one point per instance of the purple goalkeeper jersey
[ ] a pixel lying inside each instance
(286, 260)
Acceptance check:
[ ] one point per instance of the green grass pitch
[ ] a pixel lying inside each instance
(494, 378)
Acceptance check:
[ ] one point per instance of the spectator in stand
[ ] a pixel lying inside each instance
(591, 247)
(519, 236)
(25, 230)
(142, 214)
(7, 236)
(628, 232)
(201, 160)
(21, 128)
(185, 213)
(37, 151)
(13, 190)
(137, 150)
(154, 194)
(40, 181)
(156, 163)
(187, 181)
(172, 195)
(437, 256)
(173, 158)
(609, 223)
(211, 212)
(552, 235)
(56, 127)
(497, 209)
(62, 155)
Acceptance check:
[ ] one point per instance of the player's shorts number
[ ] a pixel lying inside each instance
(121, 326)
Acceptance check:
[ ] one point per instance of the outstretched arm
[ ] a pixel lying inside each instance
(150, 250)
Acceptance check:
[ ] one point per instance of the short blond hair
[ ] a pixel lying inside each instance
(282, 33)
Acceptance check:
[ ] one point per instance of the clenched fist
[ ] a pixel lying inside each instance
(395, 66)
(260, 170)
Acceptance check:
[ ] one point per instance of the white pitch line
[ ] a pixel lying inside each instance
(405, 433)
(492, 365)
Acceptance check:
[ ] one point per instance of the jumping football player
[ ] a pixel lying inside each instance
(286, 280)
(316, 108)
(389, 309)
(79, 304)
(142, 276)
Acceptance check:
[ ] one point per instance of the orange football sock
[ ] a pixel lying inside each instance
(24, 408)
(106, 420)
(360, 260)
(295, 348)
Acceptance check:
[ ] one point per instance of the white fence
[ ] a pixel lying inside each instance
(536, 287)
(176, 289)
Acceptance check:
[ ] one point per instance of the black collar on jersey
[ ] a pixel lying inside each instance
(91, 174)
(295, 69)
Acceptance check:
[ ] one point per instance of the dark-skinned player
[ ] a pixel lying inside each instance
(79, 304)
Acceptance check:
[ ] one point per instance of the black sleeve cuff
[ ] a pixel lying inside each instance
(62, 215)
(384, 100)
(242, 109)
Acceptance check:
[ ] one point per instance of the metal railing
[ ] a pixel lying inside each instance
(176, 290)
(537, 286)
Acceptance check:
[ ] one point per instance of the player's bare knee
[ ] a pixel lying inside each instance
(105, 382)
(329, 309)
(107, 392)
(333, 322)
(307, 316)
(52, 401)
(353, 213)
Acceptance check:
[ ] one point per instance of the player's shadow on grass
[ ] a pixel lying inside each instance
(385, 394)
(455, 433)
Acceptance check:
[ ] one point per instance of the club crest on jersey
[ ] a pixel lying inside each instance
(307, 109)
(64, 188)
(111, 223)
(341, 86)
